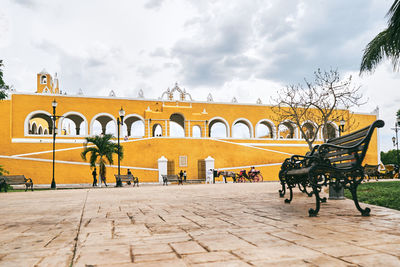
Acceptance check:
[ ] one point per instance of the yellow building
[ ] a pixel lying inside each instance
(174, 128)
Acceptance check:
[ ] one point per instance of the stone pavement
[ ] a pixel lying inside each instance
(191, 225)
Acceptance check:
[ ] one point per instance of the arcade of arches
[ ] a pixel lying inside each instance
(234, 135)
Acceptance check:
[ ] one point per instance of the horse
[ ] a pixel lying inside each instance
(252, 176)
(226, 174)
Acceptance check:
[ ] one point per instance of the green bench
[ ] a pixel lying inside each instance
(128, 178)
(171, 178)
(15, 180)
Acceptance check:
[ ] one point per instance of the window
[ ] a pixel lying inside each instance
(182, 161)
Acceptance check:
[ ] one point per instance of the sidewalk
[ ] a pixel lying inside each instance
(191, 225)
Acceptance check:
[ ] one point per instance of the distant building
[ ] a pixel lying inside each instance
(173, 129)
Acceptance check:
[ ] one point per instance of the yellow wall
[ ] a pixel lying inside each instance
(31, 154)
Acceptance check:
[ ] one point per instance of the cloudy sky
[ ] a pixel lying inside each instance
(243, 49)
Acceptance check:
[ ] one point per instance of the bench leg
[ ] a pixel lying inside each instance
(314, 184)
(282, 192)
(353, 190)
(290, 195)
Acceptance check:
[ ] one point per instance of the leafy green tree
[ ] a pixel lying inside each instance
(101, 150)
(3, 86)
(385, 44)
(389, 157)
(2, 170)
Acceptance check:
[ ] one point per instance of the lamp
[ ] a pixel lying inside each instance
(54, 128)
(120, 121)
(342, 123)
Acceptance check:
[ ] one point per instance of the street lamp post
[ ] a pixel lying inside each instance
(396, 139)
(120, 121)
(54, 118)
(336, 191)
(341, 126)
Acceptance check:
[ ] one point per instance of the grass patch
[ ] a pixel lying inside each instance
(385, 194)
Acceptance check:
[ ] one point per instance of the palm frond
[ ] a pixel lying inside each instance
(386, 44)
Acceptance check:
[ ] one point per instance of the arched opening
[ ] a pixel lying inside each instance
(43, 79)
(196, 131)
(265, 129)
(309, 130)
(137, 129)
(241, 129)
(103, 124)
(330, 131)
(45, 132)
(286, 130)
(218, 128)
(36, 118)
(157, 130)
(34, 129)
(73, 123)
(40, 130)
(134, 125)
(177, 125)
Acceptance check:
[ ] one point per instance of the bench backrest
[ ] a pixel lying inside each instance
(123, 175)
(352, 147)
(14, 179)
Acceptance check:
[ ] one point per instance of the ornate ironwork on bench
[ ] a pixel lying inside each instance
(337, 162)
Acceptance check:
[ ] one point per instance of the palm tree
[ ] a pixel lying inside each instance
(385, 44)
(101, 152)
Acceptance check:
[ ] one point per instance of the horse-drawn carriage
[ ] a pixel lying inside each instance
(252, 176)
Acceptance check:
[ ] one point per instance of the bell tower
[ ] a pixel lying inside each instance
(45, 84)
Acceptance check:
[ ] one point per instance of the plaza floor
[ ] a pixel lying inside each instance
(191, 225)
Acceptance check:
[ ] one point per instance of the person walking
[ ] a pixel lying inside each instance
(94, 174)
(184, 176)
(180, 178)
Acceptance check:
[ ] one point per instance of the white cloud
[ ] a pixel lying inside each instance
(242, 49)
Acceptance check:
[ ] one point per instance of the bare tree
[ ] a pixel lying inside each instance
(327, 98)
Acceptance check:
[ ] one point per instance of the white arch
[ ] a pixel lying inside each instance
(40, 130)
(199, 128)
(99, 115)
(30, 115)
(74, 113)
(139, 118)
(270, 123)
(334, 126)
(295, 130)
(33, 124)
(248, 123)
(134, 115)
(314, 125)
(224, 121)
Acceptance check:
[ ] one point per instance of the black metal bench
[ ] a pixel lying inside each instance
(15, 180)
(171, 178)
(128, 178)
(337, 162)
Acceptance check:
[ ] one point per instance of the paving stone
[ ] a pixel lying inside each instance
(219, 256)
(374, 260)
(194, 225)
(188, 247)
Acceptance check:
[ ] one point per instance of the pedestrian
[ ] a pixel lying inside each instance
(129, 173)
(184, 176)
(180, 177)
(94, 174)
